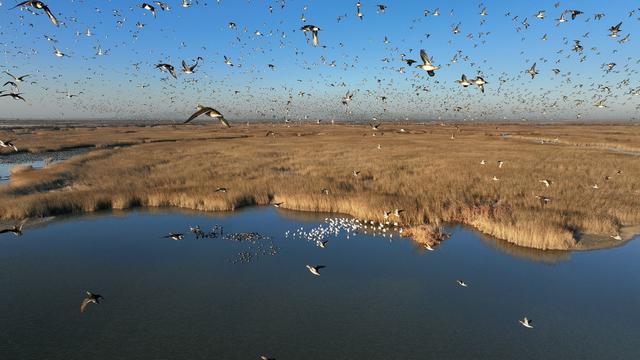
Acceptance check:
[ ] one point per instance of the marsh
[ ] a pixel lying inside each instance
(379, 297)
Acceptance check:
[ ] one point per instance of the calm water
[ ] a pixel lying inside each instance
(378, 298)
(8, 160)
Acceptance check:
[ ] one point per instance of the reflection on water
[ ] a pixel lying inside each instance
(546, 256)
(37, 161)
(377, 298)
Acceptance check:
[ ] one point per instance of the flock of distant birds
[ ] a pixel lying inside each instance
(427, 62)
(426, 65)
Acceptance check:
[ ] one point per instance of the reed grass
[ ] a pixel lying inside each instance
(421, 170)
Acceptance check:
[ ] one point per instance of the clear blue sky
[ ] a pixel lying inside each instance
(125, 84)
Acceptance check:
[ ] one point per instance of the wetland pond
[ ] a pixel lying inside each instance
(247, 292)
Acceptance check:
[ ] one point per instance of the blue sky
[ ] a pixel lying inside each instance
(124, 84)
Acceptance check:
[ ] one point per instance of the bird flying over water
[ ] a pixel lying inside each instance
(91, 298)
(16, 229)
(315, 270)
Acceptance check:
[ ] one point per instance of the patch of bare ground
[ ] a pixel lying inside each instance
(310, 167)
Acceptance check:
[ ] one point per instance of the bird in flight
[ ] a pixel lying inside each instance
(40, 6)
(15, 230)
(526, 322)
(211, 112)
(427, 64)
(314, 32)
(91, 298)
(169, 68)
(315, 270)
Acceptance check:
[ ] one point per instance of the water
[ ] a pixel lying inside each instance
(377, 298)
(36, 160)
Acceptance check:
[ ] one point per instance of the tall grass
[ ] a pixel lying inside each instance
(422, 171)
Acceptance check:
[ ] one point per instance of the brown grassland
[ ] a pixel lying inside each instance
(432, 177)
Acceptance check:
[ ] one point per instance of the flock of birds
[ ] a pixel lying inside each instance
(331, 228)
(250, 57)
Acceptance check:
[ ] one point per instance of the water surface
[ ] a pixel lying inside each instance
(377, 298)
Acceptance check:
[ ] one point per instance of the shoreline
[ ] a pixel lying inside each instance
(588, 242)
(417, 168)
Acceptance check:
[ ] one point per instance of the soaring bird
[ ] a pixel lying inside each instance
(8, 144)
(91, 298)
(315, 270)
(461, 283)
(15, 230)
(190, 69)
(526, 322)
(211, 112)
(314, 32)
(169, 68)
(532, 71)
(16, 79)
(149, 7)
(614, 30)
(15, 96)
(427, 64)
(40, 6)
(463, 81)
(174, 236)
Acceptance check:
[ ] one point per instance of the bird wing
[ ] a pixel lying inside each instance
(28, 3)
(425, 57)
(50, 15)
(84, 304)
(5, 231)
(185, 67)
(224, 121)
(204, 110)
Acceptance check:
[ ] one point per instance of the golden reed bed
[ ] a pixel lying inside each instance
(422, 170)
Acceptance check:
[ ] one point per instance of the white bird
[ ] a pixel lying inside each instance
(8, 144)
(427, 64)
(461, 283)
(315, 270)
(526, 323)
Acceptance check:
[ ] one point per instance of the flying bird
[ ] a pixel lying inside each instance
(427, 64)
(91, 298)
(315, 270)
(40, 6)
(16, 229)
(211, 112)
(314, 32)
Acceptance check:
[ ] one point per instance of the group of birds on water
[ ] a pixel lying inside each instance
(571, 93)
(333, 227)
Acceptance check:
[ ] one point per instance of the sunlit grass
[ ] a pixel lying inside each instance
(433, 178)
